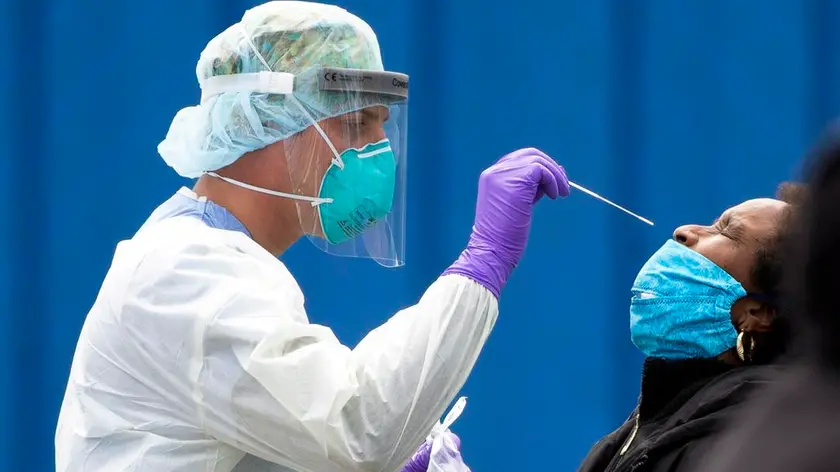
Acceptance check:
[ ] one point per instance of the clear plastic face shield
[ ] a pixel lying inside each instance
(354, 167)
(347, 173)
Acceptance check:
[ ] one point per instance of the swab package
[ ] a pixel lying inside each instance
(445, 456)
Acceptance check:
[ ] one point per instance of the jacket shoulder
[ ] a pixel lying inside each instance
(607, 447)
(690, 433)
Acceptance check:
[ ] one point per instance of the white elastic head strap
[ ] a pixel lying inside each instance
(337, 159)
(279, 83)
(267, 81)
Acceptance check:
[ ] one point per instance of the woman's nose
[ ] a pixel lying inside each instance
(687, 235)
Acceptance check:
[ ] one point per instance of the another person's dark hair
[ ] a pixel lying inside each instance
(771, 261)
(813, 275)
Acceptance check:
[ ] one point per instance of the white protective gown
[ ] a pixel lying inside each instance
(198, 356)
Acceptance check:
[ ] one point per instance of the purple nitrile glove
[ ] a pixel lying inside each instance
(420, 461)
(507, 193)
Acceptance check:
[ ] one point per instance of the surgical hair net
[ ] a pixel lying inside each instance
(293, 37)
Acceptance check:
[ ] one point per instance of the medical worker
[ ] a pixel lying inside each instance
(198, 354)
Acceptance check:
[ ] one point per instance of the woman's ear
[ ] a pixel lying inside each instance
(752, 315)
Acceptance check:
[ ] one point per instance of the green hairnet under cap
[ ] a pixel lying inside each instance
(294, 37)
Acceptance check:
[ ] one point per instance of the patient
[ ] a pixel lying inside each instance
(704, 312)
(795, 426)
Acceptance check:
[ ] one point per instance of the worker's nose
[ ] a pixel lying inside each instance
(687, 235)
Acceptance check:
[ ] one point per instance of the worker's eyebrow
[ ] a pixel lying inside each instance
(378, 113)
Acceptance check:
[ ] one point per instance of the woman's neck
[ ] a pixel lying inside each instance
(667, 384)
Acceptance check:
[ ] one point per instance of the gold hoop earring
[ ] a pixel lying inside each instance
(739, 346)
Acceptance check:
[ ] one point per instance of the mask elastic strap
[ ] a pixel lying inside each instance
(315, 201)
(254, 47)
(337, 159)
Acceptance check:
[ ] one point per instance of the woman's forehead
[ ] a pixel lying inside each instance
(758, 207)
(760, 213)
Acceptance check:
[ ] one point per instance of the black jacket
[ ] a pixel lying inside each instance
(682, 408)
(793, 427)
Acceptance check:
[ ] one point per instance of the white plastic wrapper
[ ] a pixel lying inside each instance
(445, 456)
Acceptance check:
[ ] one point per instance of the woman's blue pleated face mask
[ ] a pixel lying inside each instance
(681, 305)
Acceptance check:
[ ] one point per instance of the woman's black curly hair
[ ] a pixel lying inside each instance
(769, 267)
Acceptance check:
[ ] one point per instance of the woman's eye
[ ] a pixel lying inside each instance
(730, 232)
(720, 228)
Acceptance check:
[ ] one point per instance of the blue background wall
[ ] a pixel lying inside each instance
(676, 109)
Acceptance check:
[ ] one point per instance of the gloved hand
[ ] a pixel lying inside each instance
(420, 461)
(507, 192)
